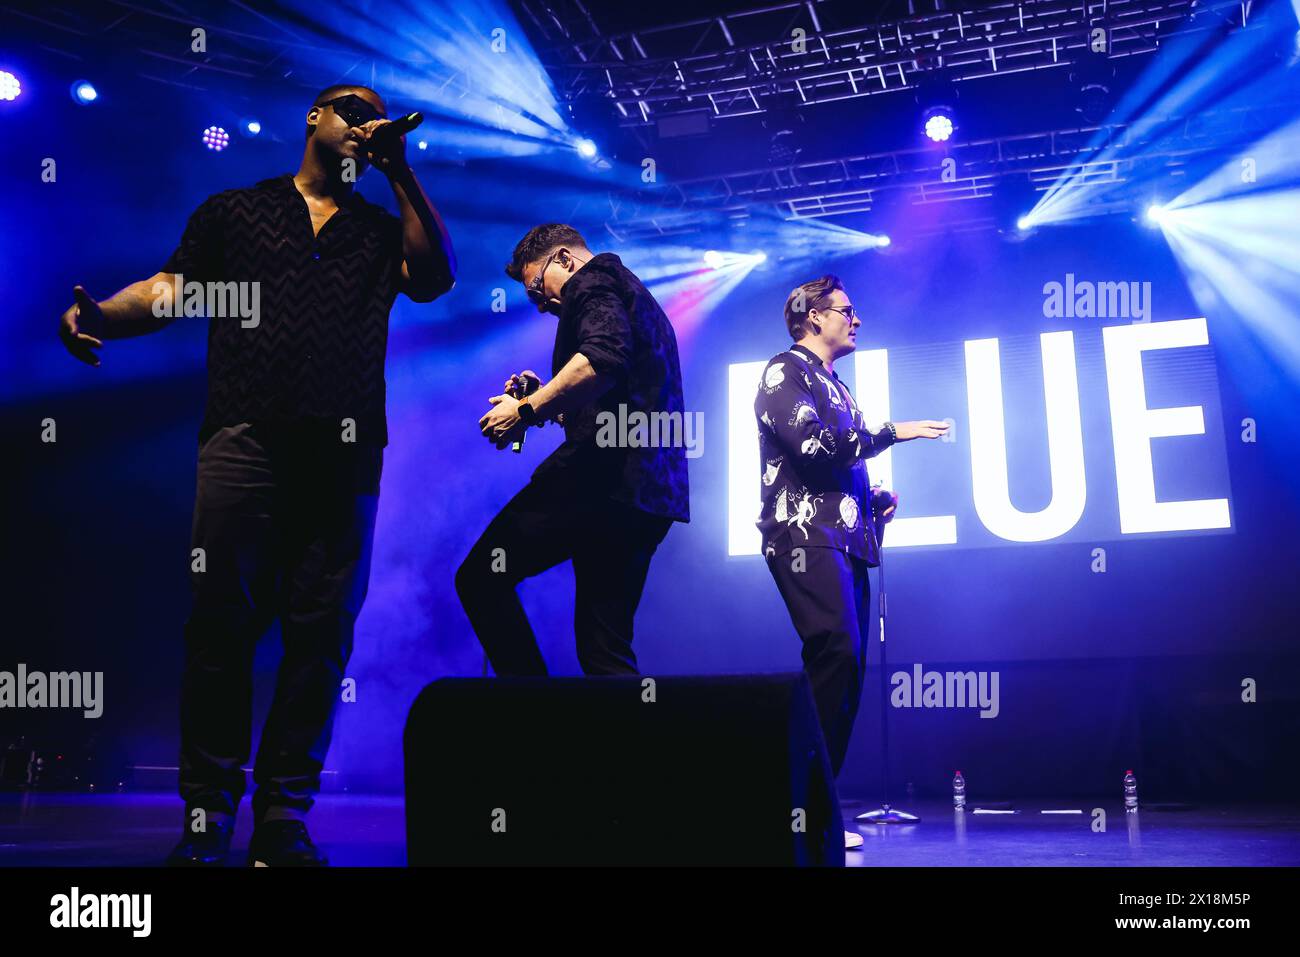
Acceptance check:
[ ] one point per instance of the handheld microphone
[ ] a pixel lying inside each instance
(879, 501)
(399, 127)
(524, 387)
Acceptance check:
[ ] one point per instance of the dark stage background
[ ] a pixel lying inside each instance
(1140, 666)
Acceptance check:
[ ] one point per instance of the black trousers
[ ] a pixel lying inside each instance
(828, 594)
(285, 522)
(610, 545)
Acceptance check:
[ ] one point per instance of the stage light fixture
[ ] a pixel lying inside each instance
(938, 128)
(1092, 75)
(883, 240)
(252, 127)
(215, 138)
(1156, 214)
(785, 130)
(1094, 102)
(1024, 223)
(586, 148)
(10, 88)
(714, 259)
(938, 123)
(84, 93)
(423, 144)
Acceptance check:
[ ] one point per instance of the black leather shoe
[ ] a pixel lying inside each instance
(283, 844)
(208, 848)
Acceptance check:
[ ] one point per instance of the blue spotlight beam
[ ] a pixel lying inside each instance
(471, 65)
(1241, 256)
(1194, 75)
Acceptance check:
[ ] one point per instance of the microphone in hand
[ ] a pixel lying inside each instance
(384, 142)
(521, 387)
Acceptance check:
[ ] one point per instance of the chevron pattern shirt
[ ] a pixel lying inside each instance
(314, 358)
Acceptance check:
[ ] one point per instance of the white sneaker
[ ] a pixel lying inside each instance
(852, 839)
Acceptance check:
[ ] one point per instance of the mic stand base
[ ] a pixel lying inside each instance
(888, 815)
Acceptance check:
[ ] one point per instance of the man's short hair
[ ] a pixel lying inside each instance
(804, 299)
(539, 241)
(333, 92)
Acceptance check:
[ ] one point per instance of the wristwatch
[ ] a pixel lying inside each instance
(527, 414)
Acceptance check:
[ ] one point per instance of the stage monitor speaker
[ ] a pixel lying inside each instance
(599, 771)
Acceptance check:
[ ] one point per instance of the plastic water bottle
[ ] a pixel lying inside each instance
(958, 792)
(1130, 792)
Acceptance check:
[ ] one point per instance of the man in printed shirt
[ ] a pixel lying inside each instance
(604, 506)
(817, 517)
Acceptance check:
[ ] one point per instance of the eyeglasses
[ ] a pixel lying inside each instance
(353, 110)
(534, 288)
(848, 312)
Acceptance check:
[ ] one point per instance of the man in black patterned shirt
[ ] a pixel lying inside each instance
(819, 510)
(290, 453)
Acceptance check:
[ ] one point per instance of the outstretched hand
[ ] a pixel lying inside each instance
(923, 429)
(83, 314)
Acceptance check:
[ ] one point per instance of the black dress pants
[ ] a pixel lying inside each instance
(828, 594)
(610, 545)
(284, 520)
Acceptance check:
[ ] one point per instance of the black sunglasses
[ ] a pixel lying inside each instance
(353, 110)
(534, 288)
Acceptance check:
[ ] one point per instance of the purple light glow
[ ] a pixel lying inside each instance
(215, 138)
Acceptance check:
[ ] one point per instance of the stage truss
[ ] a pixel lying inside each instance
(791, 55)
(1156, 147)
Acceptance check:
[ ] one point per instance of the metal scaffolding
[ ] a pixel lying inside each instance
(856, 183)
(794, 54)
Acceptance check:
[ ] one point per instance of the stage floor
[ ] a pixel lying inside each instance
(138, 829)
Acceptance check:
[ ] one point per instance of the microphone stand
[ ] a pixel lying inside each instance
(884, 814)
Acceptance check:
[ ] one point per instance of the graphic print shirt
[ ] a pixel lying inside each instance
(813, 447)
